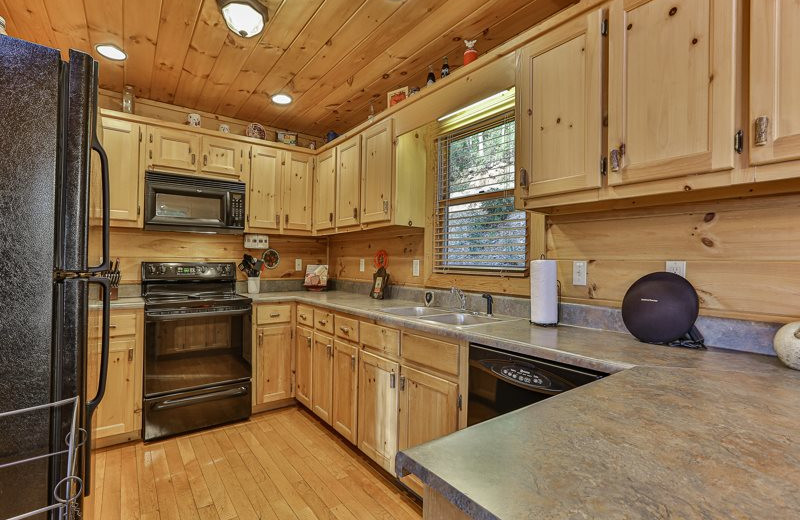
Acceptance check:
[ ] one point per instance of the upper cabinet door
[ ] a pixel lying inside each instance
(774, 78)
(672, 102)
(378, 172)
(222, 156)
(121, 140)
(297, 189)
(560, 108)
(325, 191)
(264, 202)
(348, 181)
(172, 149)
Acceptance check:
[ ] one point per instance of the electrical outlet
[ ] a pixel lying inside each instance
(415, 267)
(579, 272)
(361, 265)
(677, 266)
(298, 264)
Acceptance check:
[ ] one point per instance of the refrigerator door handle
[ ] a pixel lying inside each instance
(105, 265)
(91, 405)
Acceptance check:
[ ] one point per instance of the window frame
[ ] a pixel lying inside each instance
(499, 115)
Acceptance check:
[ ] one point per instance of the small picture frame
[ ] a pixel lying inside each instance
(380, 281)
(396, 96)
(316, 278)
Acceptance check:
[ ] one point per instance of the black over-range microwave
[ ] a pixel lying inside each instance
(190, 203)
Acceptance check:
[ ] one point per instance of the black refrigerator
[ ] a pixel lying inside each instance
(53, 245)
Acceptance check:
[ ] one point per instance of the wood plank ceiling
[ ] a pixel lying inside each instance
(334, 57)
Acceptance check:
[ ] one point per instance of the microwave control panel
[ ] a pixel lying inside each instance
(237, 209)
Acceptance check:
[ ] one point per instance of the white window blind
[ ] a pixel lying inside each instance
(477, 229)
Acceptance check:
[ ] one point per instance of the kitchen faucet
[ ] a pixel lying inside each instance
(461, 297)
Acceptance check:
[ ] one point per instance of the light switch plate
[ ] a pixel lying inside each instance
(415, 267)
(298, 264)
(677, 266)
(361, 265)
(579, 272)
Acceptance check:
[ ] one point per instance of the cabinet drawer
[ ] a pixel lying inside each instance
(433, 353)
(122, 324)
(266, 314)
(380, 338)
(323, 320)
(347, 328)
(305, 315)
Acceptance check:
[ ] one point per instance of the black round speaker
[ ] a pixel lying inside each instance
(660, 308)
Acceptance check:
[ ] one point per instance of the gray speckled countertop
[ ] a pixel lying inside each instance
(673, 433)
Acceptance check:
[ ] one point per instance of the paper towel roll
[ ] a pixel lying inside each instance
(544, 292)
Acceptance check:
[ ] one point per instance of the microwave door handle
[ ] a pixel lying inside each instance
(226, 207)
(92, 404)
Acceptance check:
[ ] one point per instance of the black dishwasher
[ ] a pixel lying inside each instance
(501, 382)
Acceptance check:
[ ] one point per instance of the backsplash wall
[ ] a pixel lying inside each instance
(135, 246)
(742, 255)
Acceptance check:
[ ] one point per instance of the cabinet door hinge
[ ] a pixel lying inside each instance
(140, 135)
(460, 402)
(392, 380)
(604, 165)
(738, 141)
(604, 28)
(138, 209)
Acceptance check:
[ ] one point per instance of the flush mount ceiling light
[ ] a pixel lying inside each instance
(244, 17)
(281, 99)
(111, 51)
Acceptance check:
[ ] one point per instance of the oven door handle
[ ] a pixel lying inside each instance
(201, 398)
(151, 317)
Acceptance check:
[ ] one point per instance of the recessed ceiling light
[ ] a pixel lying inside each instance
(282, 99)
(111, 51)
(244, 17)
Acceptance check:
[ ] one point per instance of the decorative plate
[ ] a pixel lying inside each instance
(381, 259)
(271, 258)
(257, 131)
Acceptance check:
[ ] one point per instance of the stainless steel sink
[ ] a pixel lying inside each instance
(416, 311)
(460, 319)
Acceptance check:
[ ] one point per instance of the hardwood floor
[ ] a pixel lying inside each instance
(279, 464)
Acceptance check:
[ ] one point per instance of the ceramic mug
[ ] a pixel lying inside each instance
(193, 119)
(225, 129)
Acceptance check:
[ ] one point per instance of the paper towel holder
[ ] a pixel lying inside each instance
(558, 312)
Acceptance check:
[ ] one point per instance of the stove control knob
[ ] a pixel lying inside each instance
(162, 269)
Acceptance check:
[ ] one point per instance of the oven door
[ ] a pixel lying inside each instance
(180, 203)
(196, 349)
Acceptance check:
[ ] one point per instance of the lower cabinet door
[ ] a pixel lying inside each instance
(116, 413)
(302, 352)
(377, 409)
(428, 407)
(274, 363)
(322, 376)
(345, 389)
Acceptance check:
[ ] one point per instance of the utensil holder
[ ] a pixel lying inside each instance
(253, 284)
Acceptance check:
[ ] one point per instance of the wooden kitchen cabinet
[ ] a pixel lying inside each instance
(223, 157)
(304, 340)
(774, 72)
(297, 191)
(559, 97)
(377, 408)
(118, 417)
(122, 143)
(273, 363)
(671, 88)
(325, 191)
(377, 164)
(322, 376)
(428, 407)
(344, 418)
(172, 150)
(265, 190)
(348, 183)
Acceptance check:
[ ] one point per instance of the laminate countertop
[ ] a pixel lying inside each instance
(672, 433)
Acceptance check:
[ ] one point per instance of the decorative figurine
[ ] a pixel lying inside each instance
(470, 54)
(431, 76)
(445, 68)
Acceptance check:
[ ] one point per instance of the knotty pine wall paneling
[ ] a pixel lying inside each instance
(402, 244)
(135, 246)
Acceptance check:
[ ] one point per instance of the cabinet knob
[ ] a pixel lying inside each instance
(345, 330)
(402, 383)
(323, 322)
(303, 317)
